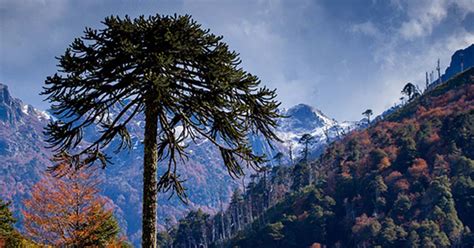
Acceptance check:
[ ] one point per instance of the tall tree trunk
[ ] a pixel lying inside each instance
(150, 189)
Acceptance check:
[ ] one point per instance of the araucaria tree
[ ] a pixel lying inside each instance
(411, 91)
(306, 140)
(69, 212)
(368, 113)
(175, 73)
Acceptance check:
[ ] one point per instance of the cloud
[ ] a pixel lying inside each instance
(340, 57)
(411, 65)
(366, 28)
(22, 21)
(423, 17)
(405, 48)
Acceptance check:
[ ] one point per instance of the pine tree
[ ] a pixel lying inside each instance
(175, 73)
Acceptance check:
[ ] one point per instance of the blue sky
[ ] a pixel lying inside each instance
(339, 56)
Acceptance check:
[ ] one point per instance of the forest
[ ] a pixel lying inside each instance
(405, 181)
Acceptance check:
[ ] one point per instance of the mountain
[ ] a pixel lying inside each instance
(462, 56)
(22, 152)
(304, 119)
(404, 181)
(24, 159)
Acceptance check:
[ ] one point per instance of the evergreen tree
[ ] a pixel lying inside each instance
(408, 153)
(380, 188)
(444, 211)
(175, 73)
(410, 91)
(8, 235)
(301, 176)
(367, 113)
(402, 205)
(236, 208)
(6, 219)
(431, 235)
(192, 230)
(463, 189)
(274, 233)
(320, 216)
(164, 239)
(306, 140)
(413, 240)
(392, 235)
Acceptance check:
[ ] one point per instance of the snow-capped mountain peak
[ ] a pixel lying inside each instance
(303, 117)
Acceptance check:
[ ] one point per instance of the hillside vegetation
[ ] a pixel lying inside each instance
(406, 181)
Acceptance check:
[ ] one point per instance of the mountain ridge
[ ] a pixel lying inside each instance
(25, 158)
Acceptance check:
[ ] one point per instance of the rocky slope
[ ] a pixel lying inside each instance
(466, 56)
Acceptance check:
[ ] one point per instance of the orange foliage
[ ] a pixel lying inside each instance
(392, 152)
(402, 185)
(363, 224)
(66, 211)
(420, 110)
(316, 245)
(384, 163)
(364, 139)
(434, 137)
(419, 168)
(394, 175)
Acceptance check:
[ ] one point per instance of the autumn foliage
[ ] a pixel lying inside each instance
(69, 211)
(405, 181)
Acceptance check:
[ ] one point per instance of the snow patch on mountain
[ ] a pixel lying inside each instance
(304, 119)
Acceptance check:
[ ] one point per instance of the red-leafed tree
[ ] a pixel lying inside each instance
(69, 211)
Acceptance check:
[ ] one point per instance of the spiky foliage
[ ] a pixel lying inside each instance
(367, 114)
(411, 91)
(306, 140)
(176, 73)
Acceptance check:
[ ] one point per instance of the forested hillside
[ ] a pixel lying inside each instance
(406, 181)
